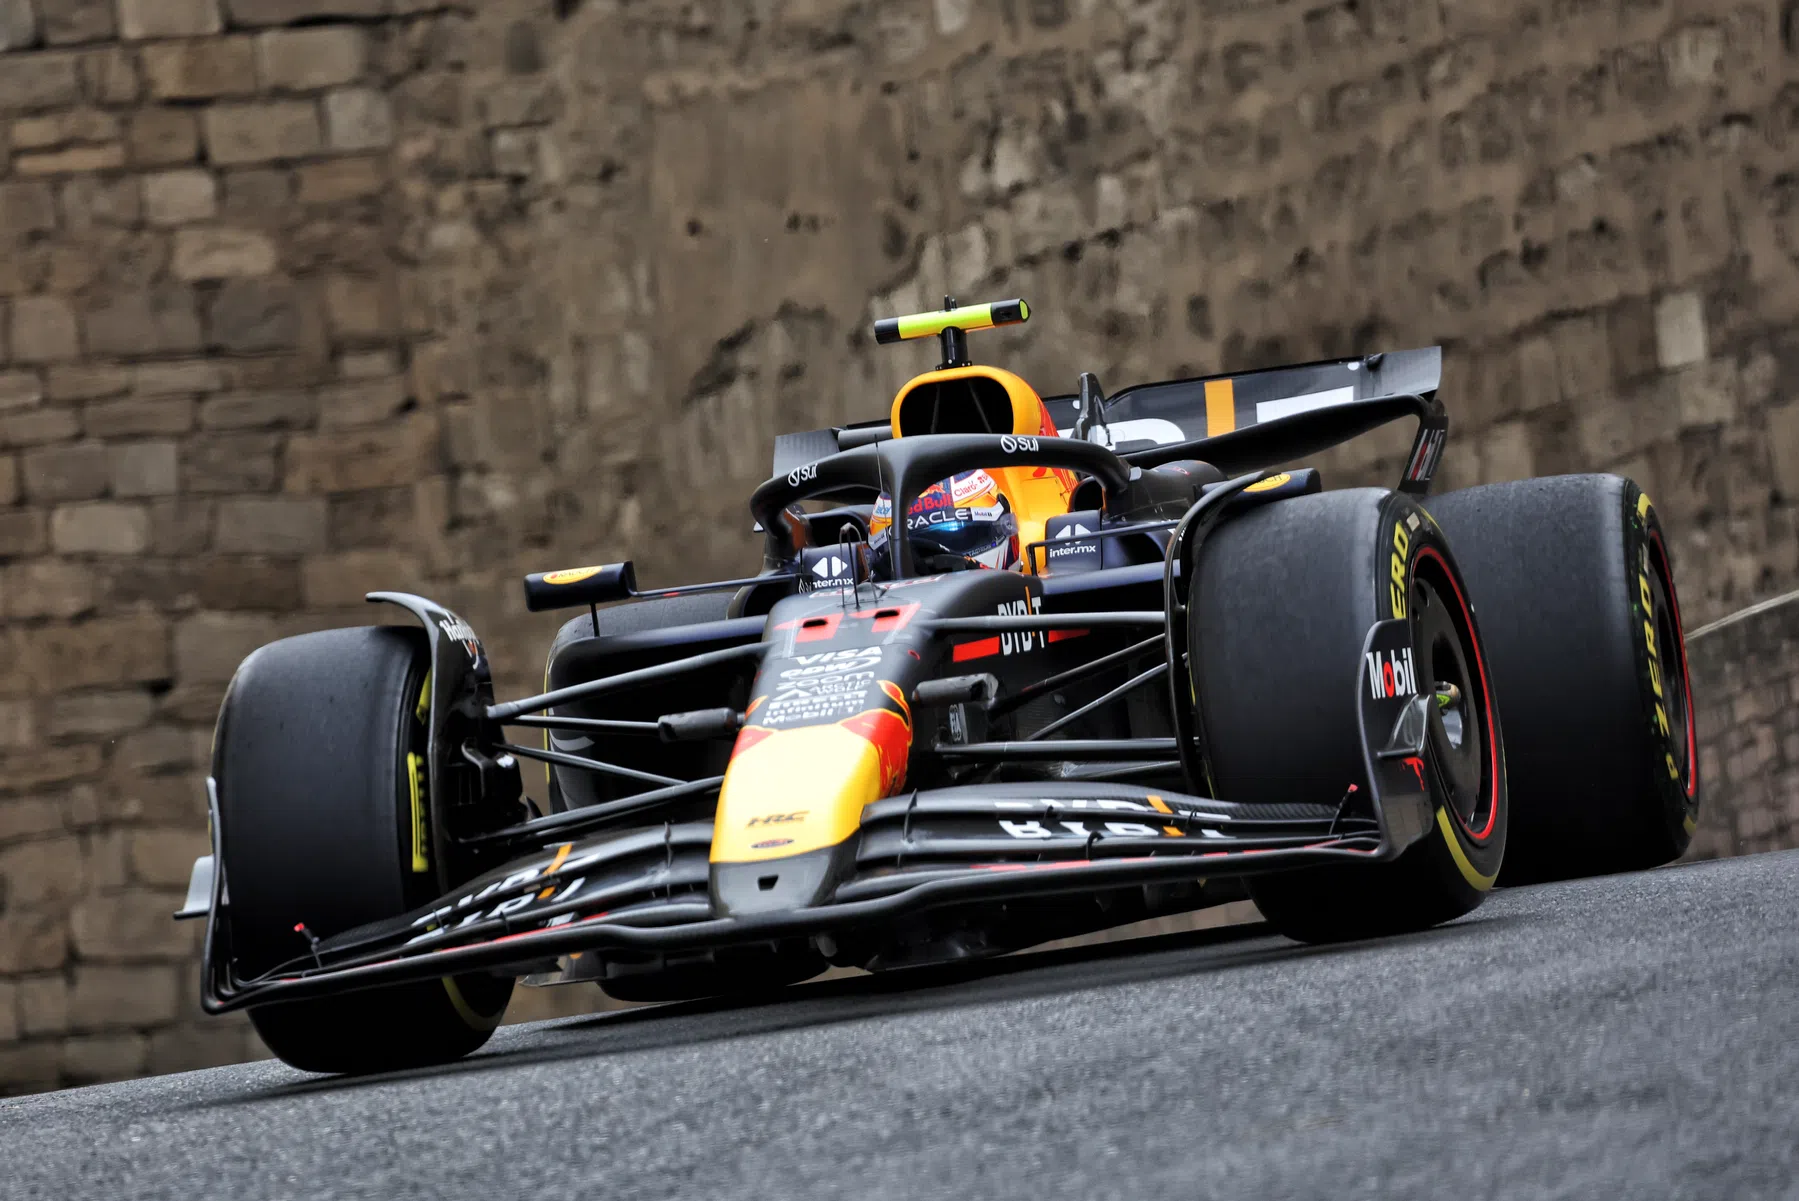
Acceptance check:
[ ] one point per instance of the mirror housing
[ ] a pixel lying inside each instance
(580, 586)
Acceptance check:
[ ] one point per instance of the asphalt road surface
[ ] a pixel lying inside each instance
(1634, 1037)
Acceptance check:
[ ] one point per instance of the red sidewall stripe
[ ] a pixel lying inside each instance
(1486, 692)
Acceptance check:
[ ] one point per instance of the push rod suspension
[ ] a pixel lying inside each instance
(1136, 681)
(1058, 748)
(1047, 621)
(594, 817)
(1124, 771)
(597, 725)
(583, 763)
(643, 675)
(1030, 692)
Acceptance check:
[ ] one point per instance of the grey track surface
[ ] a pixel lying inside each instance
(1636, 1036)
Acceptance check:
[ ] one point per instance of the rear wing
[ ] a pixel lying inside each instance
(1236, 422)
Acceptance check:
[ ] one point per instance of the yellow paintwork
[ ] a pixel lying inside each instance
(571, 575)
(1035, 493)
(1221, 407)
(968, 318)
(818, 777)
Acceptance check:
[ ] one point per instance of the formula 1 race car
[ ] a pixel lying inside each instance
(1015, 669)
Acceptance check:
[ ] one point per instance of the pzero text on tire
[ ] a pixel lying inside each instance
(1575, 589)
(1282, 601)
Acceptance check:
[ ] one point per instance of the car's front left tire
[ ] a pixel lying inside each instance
(318, 757)
(1279, 609)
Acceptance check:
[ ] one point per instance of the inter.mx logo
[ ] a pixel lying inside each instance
(1390, 673)
(831, 567)
(1084, 549)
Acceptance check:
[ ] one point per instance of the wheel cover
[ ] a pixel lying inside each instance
(1449, 664)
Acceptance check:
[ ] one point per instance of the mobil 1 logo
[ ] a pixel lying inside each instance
(1390, 673)
(1389, 665)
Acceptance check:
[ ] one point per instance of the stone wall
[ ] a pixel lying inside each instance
(300, 297)
(205, 431)
(1746, 676)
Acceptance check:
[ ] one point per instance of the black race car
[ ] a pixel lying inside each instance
(1015, 669)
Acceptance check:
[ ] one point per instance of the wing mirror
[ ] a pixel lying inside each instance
(580, 586)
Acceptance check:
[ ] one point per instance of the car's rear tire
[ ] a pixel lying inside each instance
(316, 825)
(1577, 601)
(1279, 610)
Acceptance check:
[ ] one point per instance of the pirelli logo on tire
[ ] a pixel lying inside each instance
(1397, 564)
(1646, 598)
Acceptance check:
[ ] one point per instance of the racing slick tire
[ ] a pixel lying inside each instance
(1576, 594)
(1279, 610)
(313, 762)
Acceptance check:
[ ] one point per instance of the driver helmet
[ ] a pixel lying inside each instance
(965, 516)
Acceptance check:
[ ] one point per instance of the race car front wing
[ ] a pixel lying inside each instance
(648, 891)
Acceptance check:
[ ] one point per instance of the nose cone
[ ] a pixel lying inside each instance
(741, 889)
(791, 805)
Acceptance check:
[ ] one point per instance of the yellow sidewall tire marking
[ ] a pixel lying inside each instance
(415, 765)
(1463, 864)
(465, 1011)
(421, 863)
(421, 854)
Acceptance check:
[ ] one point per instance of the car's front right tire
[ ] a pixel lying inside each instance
(317, 756)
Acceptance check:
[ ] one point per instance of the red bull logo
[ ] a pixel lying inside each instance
(891, 733)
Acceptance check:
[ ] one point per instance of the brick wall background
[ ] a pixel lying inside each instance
(302, 297)
(1746, 670)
